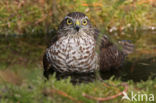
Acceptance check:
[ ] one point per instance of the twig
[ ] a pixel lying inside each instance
(63, 94)
(109, 97)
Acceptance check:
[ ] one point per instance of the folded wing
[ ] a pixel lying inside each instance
(110, 55)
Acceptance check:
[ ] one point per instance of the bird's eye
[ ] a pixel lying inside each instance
(84, 22)
(69, 21)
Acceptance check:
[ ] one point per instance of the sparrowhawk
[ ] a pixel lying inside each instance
(73, 48)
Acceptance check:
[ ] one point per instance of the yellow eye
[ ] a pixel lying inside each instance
(69, 21)
(84, 22)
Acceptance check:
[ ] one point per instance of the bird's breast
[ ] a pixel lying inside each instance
(74, 54)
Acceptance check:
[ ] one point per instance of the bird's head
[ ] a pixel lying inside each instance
(75, 22)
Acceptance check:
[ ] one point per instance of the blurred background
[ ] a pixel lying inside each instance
(26, 26)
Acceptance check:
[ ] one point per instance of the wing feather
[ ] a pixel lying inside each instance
(47, 63)
(110, 56)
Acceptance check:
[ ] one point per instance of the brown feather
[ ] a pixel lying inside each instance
(47, 65)
(109, 54)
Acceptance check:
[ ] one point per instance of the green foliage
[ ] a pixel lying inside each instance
(37, 90)
(42, 16)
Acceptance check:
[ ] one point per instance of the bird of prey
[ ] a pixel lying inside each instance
(73, 48)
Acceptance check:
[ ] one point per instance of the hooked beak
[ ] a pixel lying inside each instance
(77, 25)
(77, 28)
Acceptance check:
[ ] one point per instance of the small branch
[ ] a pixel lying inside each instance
(109, 97)
(59, 92)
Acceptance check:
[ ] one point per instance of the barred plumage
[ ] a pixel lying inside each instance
(73, 49)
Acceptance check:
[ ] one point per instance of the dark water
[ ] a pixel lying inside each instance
(137, 70)
(140, 70)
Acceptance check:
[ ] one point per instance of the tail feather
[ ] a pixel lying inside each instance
(127, 46)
